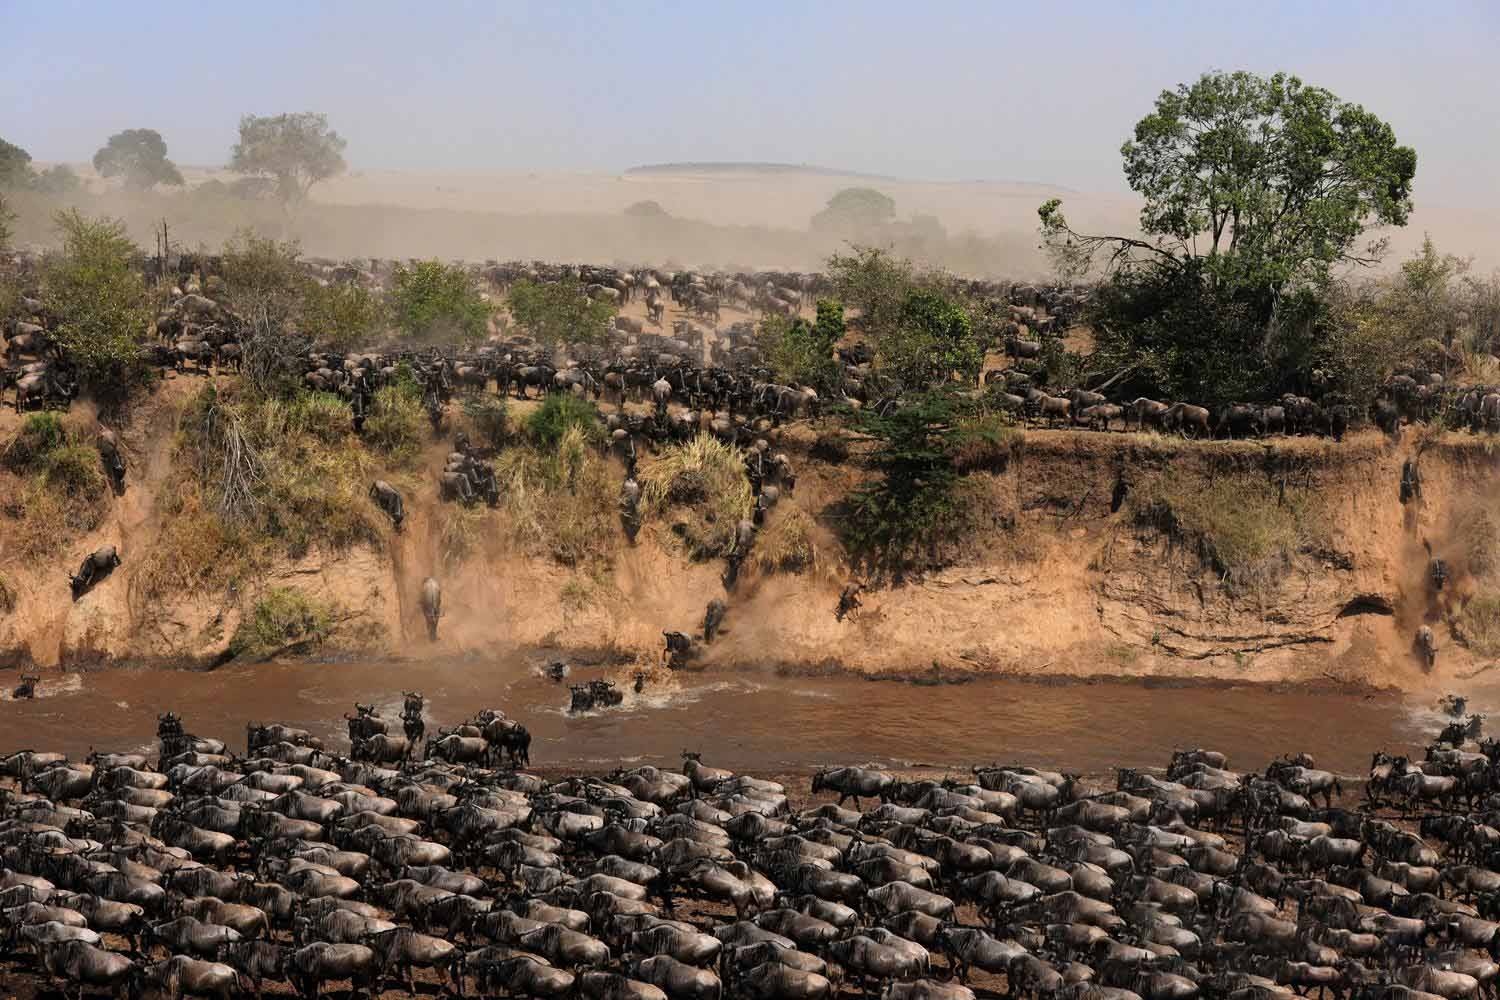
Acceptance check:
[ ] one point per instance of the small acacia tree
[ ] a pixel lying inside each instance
(436, 302)
(342, 315)
(559, 312)
(140, 156)
(100, 303)
(295, 151)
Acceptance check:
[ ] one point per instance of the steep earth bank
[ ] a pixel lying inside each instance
(1071, 574)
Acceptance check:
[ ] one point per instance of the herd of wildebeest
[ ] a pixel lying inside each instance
(196, 871)
(716, 376)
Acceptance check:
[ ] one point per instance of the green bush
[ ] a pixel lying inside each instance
(282, 618)
(343, 316)
(438, 303)
(395, 422)
(100, 303)
(559, 412)
(64, 491)
(39, 434)
(559, 312)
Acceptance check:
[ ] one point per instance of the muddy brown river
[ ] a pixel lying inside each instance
(747, 721)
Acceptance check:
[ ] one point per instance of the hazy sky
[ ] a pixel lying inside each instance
(944, 90)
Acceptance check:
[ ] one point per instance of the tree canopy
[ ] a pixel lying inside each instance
(802, 352)
(295, 151)
(559, 312)
(855, 210)
(140, 156)
(1254, 189)
(15, 165)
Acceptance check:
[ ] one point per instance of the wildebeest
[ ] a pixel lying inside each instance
(388, 499)
(432, 606)
(95, 567)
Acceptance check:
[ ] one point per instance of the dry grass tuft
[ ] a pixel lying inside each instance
(561, 503)
(702, 484)
(789, 544)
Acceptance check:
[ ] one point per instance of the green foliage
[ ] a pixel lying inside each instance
(800, 352)
(282, 618)
(140, 156)
(874, 284)
(490, 417)
(295, 151)
(39, 434)
(1254, 189)
(100, 302)
(394, 425)
(560, 412)
(438, 303)
(855, 211)
(15, 166)
(933, 341)
(910, 505)
(559, 312)
(342, 316)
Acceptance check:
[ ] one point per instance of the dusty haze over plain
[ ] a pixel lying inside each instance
(539, 108)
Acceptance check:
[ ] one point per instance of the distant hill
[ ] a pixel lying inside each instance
(726, 167)
(750, 167)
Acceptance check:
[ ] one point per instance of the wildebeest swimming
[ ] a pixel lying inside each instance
(198, 871)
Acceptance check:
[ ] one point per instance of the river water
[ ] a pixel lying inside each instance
(751, 721)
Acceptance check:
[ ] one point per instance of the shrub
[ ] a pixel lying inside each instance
(435, 302)
(394, 423)
(202, 552)
(559, 312)
(549, 423)
(490, 417)
(283, 617)
(703, 482)
(39, 434)
(264, 283)
(342, 316)
(64, 490)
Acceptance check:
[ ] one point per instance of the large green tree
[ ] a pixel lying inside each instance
(1253, 189)
(295, 151)
(436, 302)
(140, 156)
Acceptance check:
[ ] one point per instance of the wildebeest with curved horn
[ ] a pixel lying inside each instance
(95, 567)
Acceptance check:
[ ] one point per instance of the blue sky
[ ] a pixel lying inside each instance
(948, 91)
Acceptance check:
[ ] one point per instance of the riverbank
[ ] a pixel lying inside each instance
(1133, 557)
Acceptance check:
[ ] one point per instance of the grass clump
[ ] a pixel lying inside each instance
(489, 416)
(701, 483)
(1243, 527)
(283, 618)
(560, 502)
(559, 413)
(394, 425)
(63, 490)
(1479, 623)
(985, 443)
(788, 544)
(464, 532)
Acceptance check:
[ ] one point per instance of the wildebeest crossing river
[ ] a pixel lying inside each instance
(742, 720)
